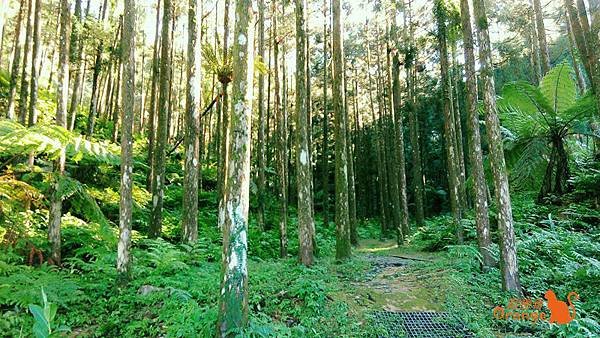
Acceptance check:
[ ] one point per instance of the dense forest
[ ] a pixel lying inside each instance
(307, 168)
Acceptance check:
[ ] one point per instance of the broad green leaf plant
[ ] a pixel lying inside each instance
(538, 122)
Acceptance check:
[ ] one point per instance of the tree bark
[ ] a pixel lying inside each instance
(303, 165)
(541, 35)
(25, 74)
(262, 146)
(508, 250)
(153, 104)
(35, 60)
(16, 61)
(449, 125)
(62, 94)
(281, 143)
(413, 120)
(325, 144)
(233, 217)
(341, 157)
(474, 144)
(128, 106)
(162, 123)
(399, 131)
(192, 123)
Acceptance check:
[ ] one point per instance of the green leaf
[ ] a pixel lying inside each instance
(40, 319)
(559, 88)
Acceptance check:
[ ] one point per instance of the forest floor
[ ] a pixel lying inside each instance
(400, 281)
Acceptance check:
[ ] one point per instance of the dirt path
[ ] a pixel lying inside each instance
(396, 281)
(402, 291)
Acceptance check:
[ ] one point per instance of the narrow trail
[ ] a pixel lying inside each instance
(402, 292)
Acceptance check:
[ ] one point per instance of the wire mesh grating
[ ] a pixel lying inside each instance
(425, 324)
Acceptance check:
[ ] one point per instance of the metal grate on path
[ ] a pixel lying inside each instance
(426, 324)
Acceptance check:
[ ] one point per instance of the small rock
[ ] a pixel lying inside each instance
(145, 290)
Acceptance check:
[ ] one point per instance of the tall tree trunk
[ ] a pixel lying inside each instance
(128, 105)
(351, 173)
(262, 146)
(508, 249)
(192, 123)
(399, 131)
(578, 75)
(224, 140)
(475, 153)
(281, 142)
(25, 74)
(158, 181)
(16, 61)
(95, 76)
(233, 217)
(35, 60)
(303, 165)
(413, 120)
(449, 125)
(541, 35)
(78, 59)
(62, 94)
(341, 157)
(153, 104)
(325, 144)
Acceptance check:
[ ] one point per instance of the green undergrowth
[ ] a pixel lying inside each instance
(174, 290)
(558, 249)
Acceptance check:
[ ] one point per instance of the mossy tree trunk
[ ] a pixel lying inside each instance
(158, 181)
(508, 249)
(192, 123)
(474, 145)
(341, 156)
(449, 124)
(233, 216)
(399, 129)
(128, 106)
(303, 164)
(16, 61)
(62, 94)
(151, 131)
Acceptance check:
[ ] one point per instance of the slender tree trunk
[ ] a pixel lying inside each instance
(128, 106)
(303, 165)
(474, 144)
(192, 123)
(16, 61)
(153, 104)
(281, 142)
(541, 35)
(341, 156)
(262, 146)
(62, 94)
(78, 59)
(35, 63)
(325, 144)
(449, 125)
(413, 120)
(97, 68)
(578, 75)
(25, 74)
(161, 133)
(508, 249)
(224, 141)
(351, 173)
(399, 131)
(233, 217)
